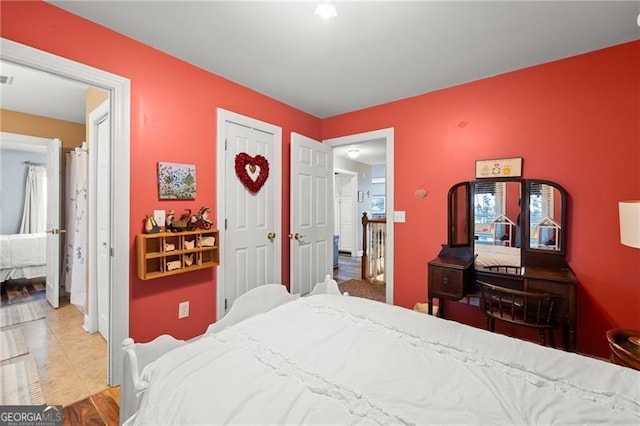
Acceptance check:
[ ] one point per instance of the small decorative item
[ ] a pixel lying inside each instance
(173, 265)
(208, 241)
(252, 171)
(188, 259)
(169, 247)
(420, 193)
(500, 167)
(176, 181)
(170, 217)
(202, 218)
(150, 225)
(183, 223)
(188, 245)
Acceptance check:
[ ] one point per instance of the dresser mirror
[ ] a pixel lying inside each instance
(458, 211)
(545, 217)
(497, 235)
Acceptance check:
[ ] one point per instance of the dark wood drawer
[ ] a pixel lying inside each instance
(446, 282)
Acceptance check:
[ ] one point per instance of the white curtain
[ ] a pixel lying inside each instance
(75, 259)
(34, 215)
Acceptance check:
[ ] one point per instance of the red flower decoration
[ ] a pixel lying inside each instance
(246, 164)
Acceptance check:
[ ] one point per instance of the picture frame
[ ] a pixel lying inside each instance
(176, 181)
(378, 204)
(360, 196)
(499, 167)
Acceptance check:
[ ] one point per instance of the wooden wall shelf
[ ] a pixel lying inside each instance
(170, 253)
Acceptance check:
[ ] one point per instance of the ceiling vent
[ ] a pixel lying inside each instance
(4, 79)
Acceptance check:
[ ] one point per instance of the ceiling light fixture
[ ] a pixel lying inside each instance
(326, 9)
(353, 153)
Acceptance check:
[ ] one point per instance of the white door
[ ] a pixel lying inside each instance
(344, 186)
(53, 222)
(311, 238)
(103, 220)
(251, 255)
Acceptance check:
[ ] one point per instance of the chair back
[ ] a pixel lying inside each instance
(504, 269)
(528, 308)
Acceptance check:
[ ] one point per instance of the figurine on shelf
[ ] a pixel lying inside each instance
(202, 218)
(170, 217)
(150, 225)
(183, 223)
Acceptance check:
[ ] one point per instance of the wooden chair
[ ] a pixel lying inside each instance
(504, 269)
(525, 308)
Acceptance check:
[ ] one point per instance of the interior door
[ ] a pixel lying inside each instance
(103, 220)
(311, 226)
(250, 254)
(345, 199)
(53, 222)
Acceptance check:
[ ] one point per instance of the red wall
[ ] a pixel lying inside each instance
(574, 121)
(173, 118)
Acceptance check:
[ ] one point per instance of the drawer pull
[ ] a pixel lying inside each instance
(445, 280)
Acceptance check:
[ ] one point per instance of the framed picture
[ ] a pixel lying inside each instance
(176, 181)
(499, 167)
(377, 204)
(360, 196)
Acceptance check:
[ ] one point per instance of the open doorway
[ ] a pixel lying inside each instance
(118, 243)
(363, 238)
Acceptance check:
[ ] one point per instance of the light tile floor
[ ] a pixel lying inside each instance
(71, 362)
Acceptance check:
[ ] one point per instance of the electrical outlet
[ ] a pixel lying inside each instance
(183, 310)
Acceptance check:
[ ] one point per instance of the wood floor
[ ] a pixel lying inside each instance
(348, 268)
(100, 409)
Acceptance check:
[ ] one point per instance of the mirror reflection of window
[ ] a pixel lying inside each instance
(544, 228)
(489, 201)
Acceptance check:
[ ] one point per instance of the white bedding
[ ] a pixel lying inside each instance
(490, 255)
(345, 360)
(22, 256)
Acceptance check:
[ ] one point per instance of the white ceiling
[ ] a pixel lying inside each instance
(39, 93)
(373, 52)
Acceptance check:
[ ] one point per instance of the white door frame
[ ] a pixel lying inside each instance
(275, 173)
(388, 135)
(355, 231)
(119, 89)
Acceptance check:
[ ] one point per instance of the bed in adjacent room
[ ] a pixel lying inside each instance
(332, 359)
(23, 256)
(496, 255)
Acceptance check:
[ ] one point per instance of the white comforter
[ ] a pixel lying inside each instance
(345, 360)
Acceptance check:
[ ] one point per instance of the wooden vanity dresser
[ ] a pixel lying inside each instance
(536, 263)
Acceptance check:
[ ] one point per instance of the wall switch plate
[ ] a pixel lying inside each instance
(158, 215)
(399, 216)
(183, 310)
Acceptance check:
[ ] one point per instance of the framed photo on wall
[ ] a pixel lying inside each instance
(378, 205)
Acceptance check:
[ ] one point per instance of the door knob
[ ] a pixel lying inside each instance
(271, 235)
(297, 236)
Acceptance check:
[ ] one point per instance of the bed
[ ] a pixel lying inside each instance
(23, 256)
(334, 359)
(496, 255)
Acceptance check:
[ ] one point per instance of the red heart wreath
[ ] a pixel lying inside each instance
(242, 161)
